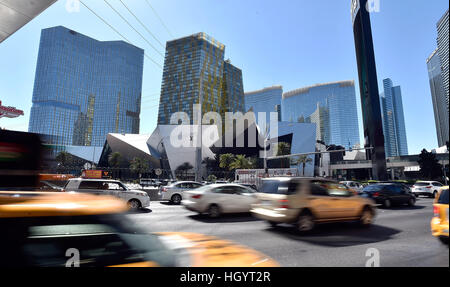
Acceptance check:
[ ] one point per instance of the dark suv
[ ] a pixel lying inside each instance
(389, 194)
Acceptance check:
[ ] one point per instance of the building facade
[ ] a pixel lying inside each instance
(438, 96)
(195, 73)
(368, 86)
(85, 89)
(332, 105)
(394, 130)
(442, 43)
(266, 100)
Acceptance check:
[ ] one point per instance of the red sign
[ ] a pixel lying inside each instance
(9, 112)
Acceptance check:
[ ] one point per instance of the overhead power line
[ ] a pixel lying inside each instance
(132, 27)
(115, 30)
(142, 24)
(160, 20)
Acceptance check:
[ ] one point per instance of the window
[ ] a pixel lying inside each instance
(91, 185)
(318, 189)
(443, 197)
(437, 184)
(278, 186)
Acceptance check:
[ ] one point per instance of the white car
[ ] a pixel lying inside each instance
(135, 198)
(174, 192)
(216, 199)
(353, 185)
(427, 188)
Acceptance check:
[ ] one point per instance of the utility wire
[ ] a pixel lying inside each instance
(115, 30)
(126, 21)
(160, 20)
(142, 24)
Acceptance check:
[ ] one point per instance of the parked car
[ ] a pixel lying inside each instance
(306, 202)
(427, 188)
(150, 182)
(44, 227)
(135, 198)
(174, 192)
(216, 199)
(439, 223)
(353, 185)
(252, 186)
(389, 194)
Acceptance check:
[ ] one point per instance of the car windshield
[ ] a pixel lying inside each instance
(443, 197)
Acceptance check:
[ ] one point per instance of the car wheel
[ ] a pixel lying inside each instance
(176, 199)
(411, 201)
(134, 204)
(416, 195)
(366, 217)
(273, 223)
(387, 203)
(305, 222)
(214, 211)
(434, 194)
(444, 240)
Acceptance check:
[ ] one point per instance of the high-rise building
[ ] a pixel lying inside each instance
(195, 73)
(85, 89)
(333, 105)
(368, 85)
(267, 100)
(442, 43)
(440, 102)
(394, 130)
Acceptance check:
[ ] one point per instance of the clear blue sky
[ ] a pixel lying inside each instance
(291, 43)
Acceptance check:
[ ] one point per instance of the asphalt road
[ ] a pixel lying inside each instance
(400, 234)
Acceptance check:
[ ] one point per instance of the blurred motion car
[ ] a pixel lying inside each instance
(389, 194)
(427, 188)
(174, 192)
(49, 229)
(216, 199)
(135, 199)
(353, 185)
(439, 223)
(306, 202)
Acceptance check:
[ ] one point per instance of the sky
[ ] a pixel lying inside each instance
(293, 43)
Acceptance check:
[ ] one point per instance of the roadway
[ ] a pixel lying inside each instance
(400, 234)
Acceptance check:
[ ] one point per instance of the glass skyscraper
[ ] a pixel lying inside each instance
(85, 89)
(442, 43)
(440, 103)
(195, 72)
(393, 120)
(267, 100)
(332, 106)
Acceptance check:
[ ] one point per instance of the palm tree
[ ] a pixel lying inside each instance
(114, 160)
(303, 160)
(283, 148)
(241, 162)
(138, 165)
(226, 160)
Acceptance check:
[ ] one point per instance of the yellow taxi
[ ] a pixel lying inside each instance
(439, 223)
(44, 229)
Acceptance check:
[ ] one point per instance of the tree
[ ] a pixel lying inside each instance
(303, 160)
(114, 160)
(283, 148)
(429, 165)
(138, 165)
(225, 160)
(241, 162)
(211, 178)
(184, 168)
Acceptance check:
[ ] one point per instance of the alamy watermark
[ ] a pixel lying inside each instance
(373, 6)
(374, 257)
(187, 135)
(74, 257)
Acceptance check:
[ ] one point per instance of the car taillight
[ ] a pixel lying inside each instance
(197, 196)
(436, 211)
(429, 186)
(283, 203)
(164, 189)
(376, 194)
